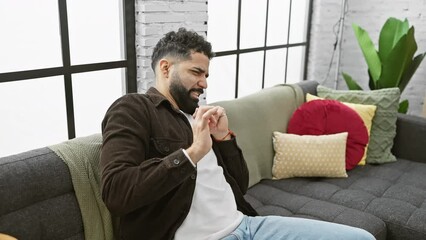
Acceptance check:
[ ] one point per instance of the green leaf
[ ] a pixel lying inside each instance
(352, 85)
(397, 61)
(403, 106)
(410, 71)
(391, 32)
(370, 54)
(371, 82)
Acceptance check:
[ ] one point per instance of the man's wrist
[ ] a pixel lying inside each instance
(194, 154)
(227, 136)
(189, 157)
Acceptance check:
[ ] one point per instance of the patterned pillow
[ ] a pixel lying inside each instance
(366, 112)
(309, 155)
(383, 129)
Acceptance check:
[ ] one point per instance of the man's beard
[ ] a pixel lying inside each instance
(182, 96)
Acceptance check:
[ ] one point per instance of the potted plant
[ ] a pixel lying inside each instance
(393, 64)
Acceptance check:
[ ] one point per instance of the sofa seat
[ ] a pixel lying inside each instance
(388, 200)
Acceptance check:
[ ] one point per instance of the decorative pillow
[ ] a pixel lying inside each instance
(6, 237)
(383, 128)
(366, 112)
(319, 117)
(309, 155)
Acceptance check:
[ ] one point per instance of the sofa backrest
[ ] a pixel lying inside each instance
(255, 117)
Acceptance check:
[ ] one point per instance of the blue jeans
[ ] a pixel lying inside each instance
(277, 228)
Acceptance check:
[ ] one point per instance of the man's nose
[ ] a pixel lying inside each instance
(203, 82)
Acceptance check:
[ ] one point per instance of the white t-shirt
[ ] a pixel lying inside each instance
(213, 213)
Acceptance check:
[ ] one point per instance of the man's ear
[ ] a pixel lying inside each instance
(164, 67)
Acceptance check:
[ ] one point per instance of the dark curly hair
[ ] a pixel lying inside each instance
(180, 44)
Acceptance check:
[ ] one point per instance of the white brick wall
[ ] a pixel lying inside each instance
(154, 19)
(370, 15)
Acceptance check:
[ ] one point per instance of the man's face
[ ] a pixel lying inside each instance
(188, 81)
(184, 97)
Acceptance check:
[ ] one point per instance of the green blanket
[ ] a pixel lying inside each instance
(82, 157)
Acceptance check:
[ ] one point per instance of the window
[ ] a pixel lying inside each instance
(62, 63)
(258, 44)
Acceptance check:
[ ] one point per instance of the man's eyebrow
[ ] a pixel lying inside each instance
(200, 70)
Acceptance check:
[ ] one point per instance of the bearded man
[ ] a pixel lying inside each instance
(173, 170)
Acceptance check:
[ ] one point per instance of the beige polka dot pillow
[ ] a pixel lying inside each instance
(309, 155)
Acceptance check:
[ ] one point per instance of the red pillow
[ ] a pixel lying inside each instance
(319, 117)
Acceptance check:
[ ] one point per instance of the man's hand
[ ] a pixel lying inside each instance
(208, 120)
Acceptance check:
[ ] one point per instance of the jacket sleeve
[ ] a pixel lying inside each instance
(233, 161)
(129, 180)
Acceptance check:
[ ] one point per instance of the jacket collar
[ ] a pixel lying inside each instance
(157, 99)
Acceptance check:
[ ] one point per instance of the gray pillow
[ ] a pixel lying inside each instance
(383, 129)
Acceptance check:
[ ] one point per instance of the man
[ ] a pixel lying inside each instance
(172, 169)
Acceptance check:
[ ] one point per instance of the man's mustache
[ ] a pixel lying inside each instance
(199, 90)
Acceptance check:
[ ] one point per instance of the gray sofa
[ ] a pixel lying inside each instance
(38, 200)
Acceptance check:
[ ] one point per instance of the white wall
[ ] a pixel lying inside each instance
(156, 18)
(370, 15)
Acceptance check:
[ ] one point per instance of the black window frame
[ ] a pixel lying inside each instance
(129, 62)
(240, 51)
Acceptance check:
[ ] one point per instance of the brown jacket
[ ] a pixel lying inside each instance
(147, 180)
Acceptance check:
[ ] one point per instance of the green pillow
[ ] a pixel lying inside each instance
(254, 118)
(383, 129)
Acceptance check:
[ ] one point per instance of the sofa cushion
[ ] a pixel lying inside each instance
(270, 197)
(254, 120)
(383, 129)
(37, 197)
(309, 155)
(319, 117)
(394, 192)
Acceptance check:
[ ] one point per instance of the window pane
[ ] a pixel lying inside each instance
(299, 18)
(222, 24)
(278, 22)
(33, 114)
(93, 93)
(30, 36)
(250, 73)
(221, 82)
(275, 67)
(94, 30)
(253, 22)
(295, 67)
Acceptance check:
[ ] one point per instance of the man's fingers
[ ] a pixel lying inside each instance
(205, 109)
(209, 116)
(221, 112)
(195, 113)
(206, 116)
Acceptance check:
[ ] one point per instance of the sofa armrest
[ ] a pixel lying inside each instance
(410, 139)
(308, 86)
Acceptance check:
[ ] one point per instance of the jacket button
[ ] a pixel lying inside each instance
(176, 161)
(193, 176)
